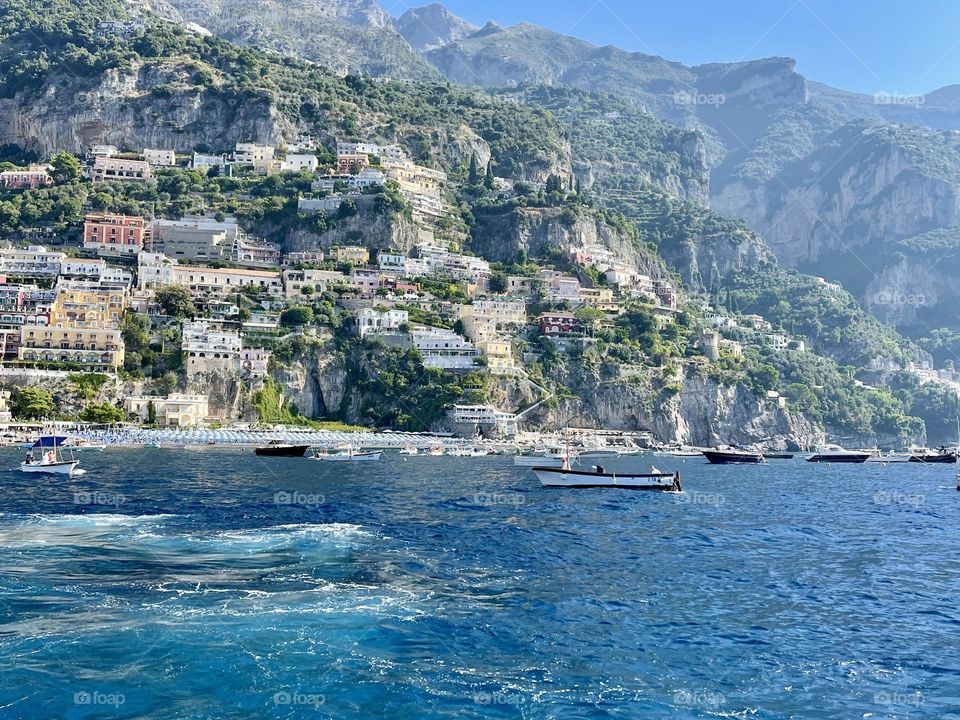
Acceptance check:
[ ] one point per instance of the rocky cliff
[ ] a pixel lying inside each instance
(147, 105)
(347, 36)
(432, 26)
(702, 413)
(502, 236)
(866, 185)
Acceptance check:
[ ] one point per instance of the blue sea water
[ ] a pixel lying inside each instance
(214, 584)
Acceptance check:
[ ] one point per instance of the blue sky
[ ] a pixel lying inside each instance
(896, 46)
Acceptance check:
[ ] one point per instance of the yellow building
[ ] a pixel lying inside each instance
(355, 255)
(499, 355)
(84, 328)
(596, 296)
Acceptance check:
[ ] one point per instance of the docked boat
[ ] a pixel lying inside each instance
(878, 456)
(347, 455)
(436, 451)
(545, 458)
(567, 477)
(732, 456)
(278, 448)
(941, 456)
(836, 454)
(409, 450)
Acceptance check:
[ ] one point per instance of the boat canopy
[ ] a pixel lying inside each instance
(49, 441)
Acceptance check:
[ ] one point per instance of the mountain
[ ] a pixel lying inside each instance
(347, 36)
(432, 26)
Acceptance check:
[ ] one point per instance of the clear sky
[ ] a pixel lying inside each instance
(895, 46)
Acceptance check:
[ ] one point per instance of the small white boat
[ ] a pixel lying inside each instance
(409, 450)
(49, 462)
(435, 451)
(836, 454)
(877, 456)
(546, 458)
(566, 477)
(347, 455)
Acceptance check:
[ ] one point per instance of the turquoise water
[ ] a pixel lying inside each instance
(214, 584)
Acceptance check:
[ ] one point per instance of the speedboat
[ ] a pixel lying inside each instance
(877, 456)
(545, 458)
(49, 462)
(347, 455)
(836, 454)
(926, 455)
(278, 448)
(732, 456)
(409, 450)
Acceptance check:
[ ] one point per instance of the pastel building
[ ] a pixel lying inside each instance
(161, 158)
(370, 321)
(108, 168)
(31, 178)
(114, 234)
(174, 410)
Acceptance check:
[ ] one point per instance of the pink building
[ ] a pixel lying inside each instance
(114, 234)
(33, 177)
(367, 281)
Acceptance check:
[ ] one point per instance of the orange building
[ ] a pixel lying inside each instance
(113, 234)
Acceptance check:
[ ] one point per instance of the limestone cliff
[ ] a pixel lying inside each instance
(501, 236)
(702, 413)
(147, 105)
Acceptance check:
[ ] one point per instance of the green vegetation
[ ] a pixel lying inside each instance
(102, 414)
(273, 407)
(87, 385)
(31, 403)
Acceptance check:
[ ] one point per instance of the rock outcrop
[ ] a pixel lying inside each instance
(432, 26)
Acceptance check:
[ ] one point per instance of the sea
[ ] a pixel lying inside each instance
(211, 583)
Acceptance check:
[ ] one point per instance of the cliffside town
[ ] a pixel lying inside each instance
(215, 235)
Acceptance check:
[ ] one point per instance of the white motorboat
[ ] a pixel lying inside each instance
(409, 450)
(836, 454)
(566, 477)
(545, 458)
(49, 462)
(347, 455)
(877, 456)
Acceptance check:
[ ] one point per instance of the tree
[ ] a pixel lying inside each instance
(176, 301)
(31, 403)
(151, 413)
(102, 414)
(66, 167)
(296, 315)
(307, 290)
(488, 178)
(554, 184)
(135, 330)
(765, 378)
(498, 282)
(473, 177)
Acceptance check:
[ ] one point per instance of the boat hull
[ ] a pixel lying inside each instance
(855, 458)
(721, 457)
(358, 457)
(537, 461)
(559, 477)
(67, 467)
(934, 459)
(778, 456)
(282, 450)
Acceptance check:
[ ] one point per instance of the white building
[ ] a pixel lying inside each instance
(154, 270)
(331, 203)
(35, 261)
(208, 348)
(295, 280)
(484, 415)
(365, 178)
(444, 349)
(175, 410)
(374, 321)
(161, 158)
(205, 162)
(260, 156)
(394, 152)
(300, 163)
